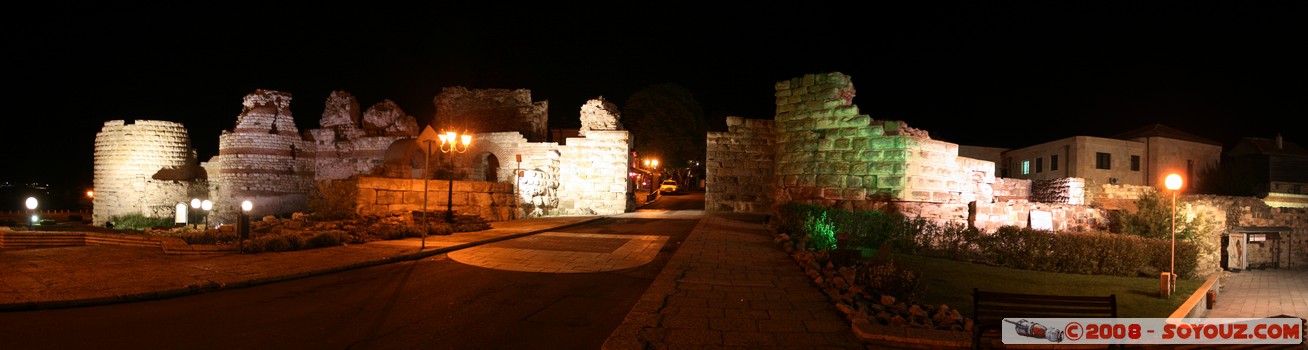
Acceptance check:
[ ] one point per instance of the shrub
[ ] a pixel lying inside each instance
(821, 232)
(1101, 253)
(892, 278)
(327, 239)
(140, 222)
(333, 200)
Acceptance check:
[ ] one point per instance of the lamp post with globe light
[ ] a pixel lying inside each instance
(1173, 182)
(31, 210)
(206, 205)
(195, 205)
(243, 223)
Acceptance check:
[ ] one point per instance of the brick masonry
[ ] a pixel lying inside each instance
(828, 153)
(492, 201)
(141, 167)
(739, 167)
(824, 152)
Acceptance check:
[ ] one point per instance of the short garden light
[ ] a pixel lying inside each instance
(31, 207)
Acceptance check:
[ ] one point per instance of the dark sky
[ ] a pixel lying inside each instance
(1006, 74)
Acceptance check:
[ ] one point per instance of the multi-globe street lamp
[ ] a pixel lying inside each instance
(450, 143)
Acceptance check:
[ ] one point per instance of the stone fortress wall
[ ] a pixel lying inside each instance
(740, 165)
(141, 167)
(827, 153)
(148, 167)
(492, 110)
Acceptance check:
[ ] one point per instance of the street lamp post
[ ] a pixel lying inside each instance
(206, 205)
(243, 224)
(195, 206)
(31, 210)
(1173, 183)
(450, 142)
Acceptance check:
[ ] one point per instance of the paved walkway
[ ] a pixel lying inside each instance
(730, 286)
(1263, 293)
(92, 275)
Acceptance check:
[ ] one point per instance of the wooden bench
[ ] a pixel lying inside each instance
(991, 308)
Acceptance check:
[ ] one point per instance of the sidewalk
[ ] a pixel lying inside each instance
(728, 285)
(1263, 293)
(93, 275)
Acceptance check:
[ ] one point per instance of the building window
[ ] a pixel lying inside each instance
(1053, 163)
(1103, 160)
(1026, 167)
(1040, 164)
(1135, 163)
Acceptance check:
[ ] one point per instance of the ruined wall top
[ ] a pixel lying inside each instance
(341, 109)
(387, 119)
(600, 115)
(491, 110)
(267, 111)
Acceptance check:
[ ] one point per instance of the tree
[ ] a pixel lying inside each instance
(666, 123)
(1153, 219)
(1234, 176)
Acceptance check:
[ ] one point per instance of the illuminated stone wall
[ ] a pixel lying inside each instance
(143, 167)
(829, 154)
(740, 166)
(1225, 213)
(1061, 191)
(346, 145)
(538, 188)
(593, 174)
(264, 160)
(492, 201)
(491, 110)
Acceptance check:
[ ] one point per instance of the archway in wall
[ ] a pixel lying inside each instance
(404, 159)
(485, 167)
(491, 168)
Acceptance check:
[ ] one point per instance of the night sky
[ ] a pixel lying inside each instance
(1010, 74)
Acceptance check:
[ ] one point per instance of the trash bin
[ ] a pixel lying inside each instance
(1165, 285)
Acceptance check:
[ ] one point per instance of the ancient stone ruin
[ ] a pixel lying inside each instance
(492, 110)
(599, 115)
(141, 167)
(148, 167)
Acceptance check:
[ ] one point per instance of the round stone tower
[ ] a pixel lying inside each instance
(142, 167)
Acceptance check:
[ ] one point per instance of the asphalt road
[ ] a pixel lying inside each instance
(435, 303)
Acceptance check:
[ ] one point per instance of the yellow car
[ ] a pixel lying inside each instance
(668, 186)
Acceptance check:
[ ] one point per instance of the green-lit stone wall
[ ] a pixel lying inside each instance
(828, 153)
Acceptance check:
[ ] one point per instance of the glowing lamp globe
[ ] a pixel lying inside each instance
(246, 206)
(31, 203)
(1173, 182)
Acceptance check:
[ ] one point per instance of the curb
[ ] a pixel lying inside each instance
(213, 286)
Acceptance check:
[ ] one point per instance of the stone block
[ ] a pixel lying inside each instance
(388, 197)
(831, 180)
(412, 197)
(481, 199)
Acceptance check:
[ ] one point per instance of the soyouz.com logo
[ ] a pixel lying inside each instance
(1153, 331)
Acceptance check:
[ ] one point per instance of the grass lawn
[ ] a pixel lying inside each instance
(950, 282)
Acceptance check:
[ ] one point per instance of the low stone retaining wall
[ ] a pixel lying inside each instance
(51, 239)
